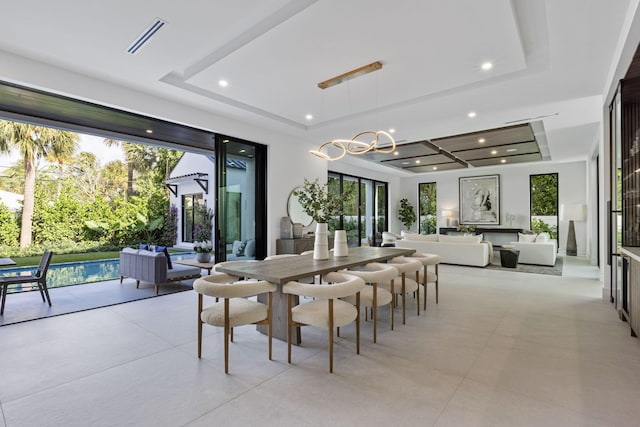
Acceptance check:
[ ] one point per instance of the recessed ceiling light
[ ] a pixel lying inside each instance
(225, 141)
(481, 140)
(435, 168)
(486, 66)
(511, 150)
(309, 117)
(223, 83)
(392, 130)
(494, 152)
(503, 161)
(149, 131)
(243, 150)
(395, 153)
(471, 114)
(417, 162)
(405, 163)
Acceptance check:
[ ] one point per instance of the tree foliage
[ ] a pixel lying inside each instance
(406, 213)
(544, 195)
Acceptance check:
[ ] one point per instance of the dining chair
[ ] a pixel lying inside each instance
(425, 275)
(234, 309)
(406, 268)
(373, 296)
(40, 277)
(327, 310)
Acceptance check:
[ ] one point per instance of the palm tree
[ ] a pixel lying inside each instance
(33, 143)
(139, 158)
(60, 155)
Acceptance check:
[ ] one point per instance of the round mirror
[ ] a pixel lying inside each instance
(295, 210)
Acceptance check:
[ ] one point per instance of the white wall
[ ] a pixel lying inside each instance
(514, 193)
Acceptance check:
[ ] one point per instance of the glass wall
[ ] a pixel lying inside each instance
(190, 202)
(365, 212)
(427, 203)
(543, 203)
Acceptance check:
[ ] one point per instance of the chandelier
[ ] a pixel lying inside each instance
(354, 145)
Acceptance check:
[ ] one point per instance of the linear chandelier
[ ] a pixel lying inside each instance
(354, 145)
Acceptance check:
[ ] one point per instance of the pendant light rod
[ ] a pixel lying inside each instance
(365, 69)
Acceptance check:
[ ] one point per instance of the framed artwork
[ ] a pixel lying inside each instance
(480, 200)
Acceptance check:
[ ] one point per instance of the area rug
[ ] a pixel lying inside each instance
(556, 270)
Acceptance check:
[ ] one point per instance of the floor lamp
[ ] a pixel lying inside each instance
(571, 213)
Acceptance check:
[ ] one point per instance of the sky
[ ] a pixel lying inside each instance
(90, 143)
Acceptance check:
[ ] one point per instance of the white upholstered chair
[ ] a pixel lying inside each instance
(326, 310)
(373, 296)
(408, 269)
(234, 309)
(425, 275)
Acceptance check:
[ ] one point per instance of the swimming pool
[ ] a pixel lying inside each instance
(76, 273)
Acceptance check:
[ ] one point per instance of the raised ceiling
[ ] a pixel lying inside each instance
(551, 61)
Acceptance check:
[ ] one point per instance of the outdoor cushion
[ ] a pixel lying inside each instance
(143, 246)
(241, 312)
(165, 251)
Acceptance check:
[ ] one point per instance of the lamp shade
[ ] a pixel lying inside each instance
(447, 213)
(573, 211)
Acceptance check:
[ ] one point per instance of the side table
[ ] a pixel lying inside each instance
(509, 257)
(193, 263)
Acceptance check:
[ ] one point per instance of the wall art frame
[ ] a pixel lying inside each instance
(480, 200)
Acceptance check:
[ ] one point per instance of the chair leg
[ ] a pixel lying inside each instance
(41, 291)
(289, 326)
(392, 304)
(46, 292)
(5, 289)
(231, 334)
(418, 294)
(157, 289)
(375, 312)
(358, 323)
(270, 319)
(437, 279)
(199, 326)
(425, 289)
(226, 335)
(330, 336)
(121, 278)
(404, 301)
(137, 284)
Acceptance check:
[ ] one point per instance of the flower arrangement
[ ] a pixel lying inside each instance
(203, 246)
(406, 213)
(318, 202)
(467, 228)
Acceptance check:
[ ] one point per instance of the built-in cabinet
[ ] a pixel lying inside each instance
(296, 246)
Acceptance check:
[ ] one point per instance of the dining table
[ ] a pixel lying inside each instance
(286, 269)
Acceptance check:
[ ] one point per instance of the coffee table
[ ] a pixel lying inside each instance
(509, 257)
(194, 263)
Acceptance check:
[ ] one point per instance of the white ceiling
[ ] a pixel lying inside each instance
(549, 57)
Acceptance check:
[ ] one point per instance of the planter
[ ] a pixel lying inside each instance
(203, 257)
(321, 244)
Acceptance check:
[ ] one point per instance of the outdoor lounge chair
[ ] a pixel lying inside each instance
(40, 277)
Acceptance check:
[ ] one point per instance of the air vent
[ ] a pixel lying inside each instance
(146, 35)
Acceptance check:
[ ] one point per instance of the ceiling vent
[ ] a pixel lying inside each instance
(146, 35)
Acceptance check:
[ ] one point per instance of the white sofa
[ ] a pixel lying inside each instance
(536, 249)
(461, 250)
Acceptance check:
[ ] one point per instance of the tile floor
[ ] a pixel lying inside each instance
(501, 349)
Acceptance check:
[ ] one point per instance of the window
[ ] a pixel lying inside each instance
(543, 198)
(365, 212)
(189, 214)
(428, 214)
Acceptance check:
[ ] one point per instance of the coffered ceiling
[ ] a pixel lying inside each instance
(550, 64)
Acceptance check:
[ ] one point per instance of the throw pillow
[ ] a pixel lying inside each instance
(143, 246)
(459, 239)
(543, 238)
(166, 254)
(241, 247)
(529, 238)
(250, 249)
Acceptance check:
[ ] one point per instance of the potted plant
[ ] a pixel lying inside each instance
(406, 213)
(202, 243)
(321, 205)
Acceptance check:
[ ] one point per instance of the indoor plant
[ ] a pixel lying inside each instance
(321, 205)
(406, 213)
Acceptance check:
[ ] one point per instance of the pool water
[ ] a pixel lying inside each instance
(76, 273)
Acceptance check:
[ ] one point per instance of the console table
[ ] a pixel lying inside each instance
(297, 246)
(497, 236)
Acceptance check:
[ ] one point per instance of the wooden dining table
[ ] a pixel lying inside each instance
(283, 270)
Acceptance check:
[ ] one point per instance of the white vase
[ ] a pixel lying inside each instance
(321, 243)
(340, 247)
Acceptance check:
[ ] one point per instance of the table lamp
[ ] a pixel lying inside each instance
(447, 214)
(572, 212)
